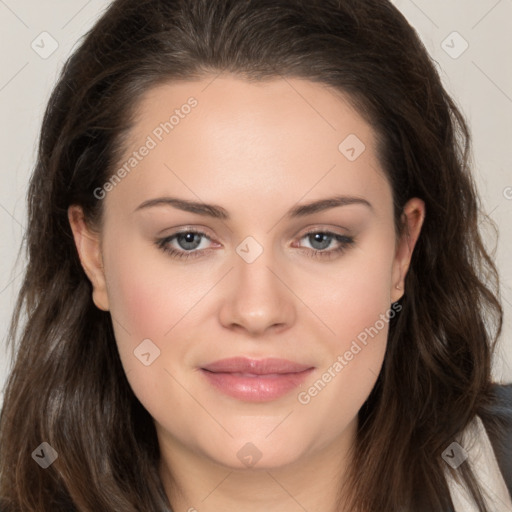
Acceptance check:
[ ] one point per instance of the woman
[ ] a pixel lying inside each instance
(255, 275)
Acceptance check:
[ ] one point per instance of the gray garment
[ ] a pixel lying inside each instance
(498, 424)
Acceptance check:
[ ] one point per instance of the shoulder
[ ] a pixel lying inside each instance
(496, 417)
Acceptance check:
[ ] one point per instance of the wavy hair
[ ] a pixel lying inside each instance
(67, 385)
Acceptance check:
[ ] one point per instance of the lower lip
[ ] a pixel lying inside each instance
(259, 388)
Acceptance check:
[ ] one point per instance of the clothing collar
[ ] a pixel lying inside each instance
(476, 448)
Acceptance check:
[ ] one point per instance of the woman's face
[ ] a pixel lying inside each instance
(295, 258)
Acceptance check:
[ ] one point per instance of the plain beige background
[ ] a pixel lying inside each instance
(468, 39)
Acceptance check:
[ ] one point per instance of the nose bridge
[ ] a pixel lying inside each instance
(258, 300)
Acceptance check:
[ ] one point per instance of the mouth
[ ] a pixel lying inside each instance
(252, 380)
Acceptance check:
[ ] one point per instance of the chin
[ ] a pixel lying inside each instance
(256, 452)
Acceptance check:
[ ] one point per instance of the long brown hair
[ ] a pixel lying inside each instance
(67, 386)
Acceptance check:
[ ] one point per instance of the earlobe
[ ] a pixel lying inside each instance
(412, 218)
(88, 246)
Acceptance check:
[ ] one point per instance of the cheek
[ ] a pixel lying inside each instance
(148, 294)
(148, 302)
(139, 302)
(352, 296)
(144, 302)
(153, 299)
(356, 306)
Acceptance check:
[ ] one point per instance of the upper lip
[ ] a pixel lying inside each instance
(255, 366)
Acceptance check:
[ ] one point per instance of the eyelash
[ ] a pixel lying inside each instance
(344, 243)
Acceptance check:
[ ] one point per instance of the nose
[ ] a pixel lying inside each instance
(258, 301)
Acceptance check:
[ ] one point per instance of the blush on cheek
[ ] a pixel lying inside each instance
(350, 313)
(137, 291)
(137, 308)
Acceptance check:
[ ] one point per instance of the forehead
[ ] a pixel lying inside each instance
(227, 137)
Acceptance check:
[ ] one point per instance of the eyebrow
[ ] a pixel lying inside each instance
(217, 212)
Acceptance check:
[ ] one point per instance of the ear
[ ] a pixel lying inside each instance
(412, 218)
(88, 246)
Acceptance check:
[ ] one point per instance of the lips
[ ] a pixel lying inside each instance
(255, 380)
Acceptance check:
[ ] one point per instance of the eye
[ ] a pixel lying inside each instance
(185, 244)
(192, 244)
(326, 243)
(188, 241)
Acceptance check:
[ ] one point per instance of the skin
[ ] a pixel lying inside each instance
(256, 150)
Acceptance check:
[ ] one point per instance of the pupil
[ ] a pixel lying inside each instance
(323, 240)
(189, 241)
